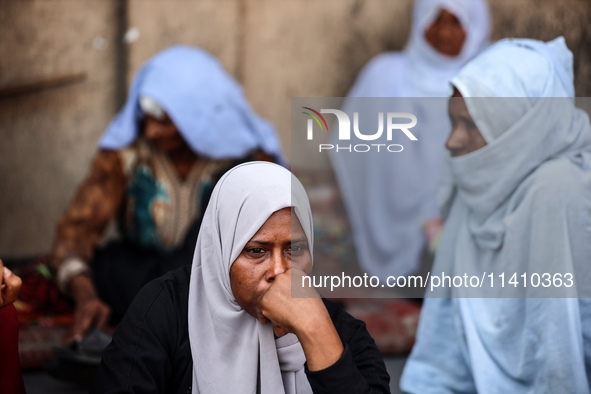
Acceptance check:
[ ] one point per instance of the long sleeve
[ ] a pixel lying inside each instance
(360, 369)
(11, 378)
(533, 335)
(95, 204)
(437, 364)
(150, 349)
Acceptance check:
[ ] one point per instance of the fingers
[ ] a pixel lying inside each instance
(103, 317)
(262, 318)
(82, 324)
(11, 286)
(88, 314)
(295, 286)
(279, 330)
(2, 285)
(292, 308)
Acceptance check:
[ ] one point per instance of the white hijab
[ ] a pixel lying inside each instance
(419, 70)
(520, 204)
(388, 196)
(232, 352)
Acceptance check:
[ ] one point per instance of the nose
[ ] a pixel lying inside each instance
(153, 131)
(456, 140)
(278, 265)
(446, 34)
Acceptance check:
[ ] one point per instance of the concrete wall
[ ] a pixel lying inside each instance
(48, 135)
(276, 49)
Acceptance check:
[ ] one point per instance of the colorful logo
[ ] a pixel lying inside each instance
(316, 117)
(347, 129)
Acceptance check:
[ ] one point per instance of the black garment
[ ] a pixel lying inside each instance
(121, 269)
(150, 351)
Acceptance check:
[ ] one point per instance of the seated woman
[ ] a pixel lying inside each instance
(184, 124)
(518, 202)
(11, 378)
(229, 324)
(392, 228)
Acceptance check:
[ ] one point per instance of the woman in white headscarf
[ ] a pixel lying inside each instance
(388, 228)
(517, 202)
(229, 324)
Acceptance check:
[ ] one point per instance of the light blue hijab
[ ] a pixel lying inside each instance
(521, 204)
(205, 103)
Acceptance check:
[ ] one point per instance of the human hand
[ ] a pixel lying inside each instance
(10, 286)
(305, 315)
(90, 311)
(295, 313)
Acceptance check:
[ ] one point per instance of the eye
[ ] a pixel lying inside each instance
(256, 252)
(297, 249)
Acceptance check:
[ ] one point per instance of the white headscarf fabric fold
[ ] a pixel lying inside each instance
(531, 70)
(232, 352)
(431, 71)
(521, 205)
(389, 196)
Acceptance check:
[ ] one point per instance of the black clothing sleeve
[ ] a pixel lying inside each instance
(150, 351)
(360, 369)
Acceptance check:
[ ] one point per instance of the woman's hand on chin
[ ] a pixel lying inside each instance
(300, 310)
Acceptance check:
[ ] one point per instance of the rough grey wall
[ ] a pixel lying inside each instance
(215, 25)
(308, 48)
(548, 19)
(276, 49)
(47, 136)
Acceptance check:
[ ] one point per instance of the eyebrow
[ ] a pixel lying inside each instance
(258, 242)
(254, 241)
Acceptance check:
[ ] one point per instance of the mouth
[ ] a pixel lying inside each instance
(165, 144)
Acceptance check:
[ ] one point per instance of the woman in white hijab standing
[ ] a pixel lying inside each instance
(517, 202)
(230, 323)
(388, 227)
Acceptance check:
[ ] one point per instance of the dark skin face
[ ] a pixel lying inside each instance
(163, 134)
(465, 136)
(446, 34)
(165, 137)
(274, 249)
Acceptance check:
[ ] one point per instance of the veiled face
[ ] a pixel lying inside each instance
(465, 136)
(278, 245)
(446, 34)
